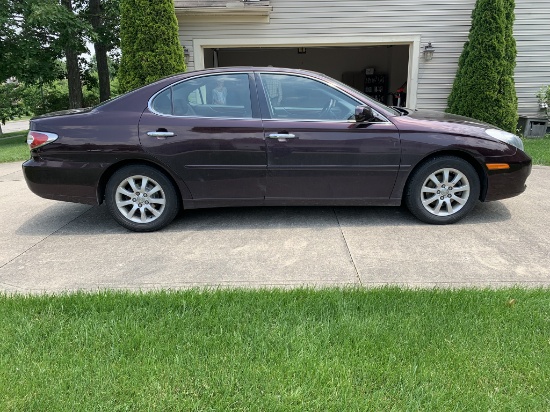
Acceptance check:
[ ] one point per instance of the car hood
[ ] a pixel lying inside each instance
(433, 121)
(432, 115)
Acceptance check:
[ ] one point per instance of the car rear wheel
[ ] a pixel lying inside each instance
(141, 198)
(443, 190)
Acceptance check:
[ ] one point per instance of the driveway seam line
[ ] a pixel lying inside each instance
(8, 174)
(44, 238)
(347, 247)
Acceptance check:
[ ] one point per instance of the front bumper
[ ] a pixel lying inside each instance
(503, 184)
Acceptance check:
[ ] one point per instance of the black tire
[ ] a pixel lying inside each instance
(141, 210)
(446, 197)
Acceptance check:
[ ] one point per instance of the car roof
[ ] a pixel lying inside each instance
(227, 69)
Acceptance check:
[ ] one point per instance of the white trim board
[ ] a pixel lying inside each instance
(412, 40)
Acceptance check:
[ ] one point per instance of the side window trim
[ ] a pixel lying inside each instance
(171, 100)
(254, 96)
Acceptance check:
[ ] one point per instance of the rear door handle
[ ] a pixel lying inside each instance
(161, 134)
(281, 136)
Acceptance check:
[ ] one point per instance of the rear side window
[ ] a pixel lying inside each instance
(163, 102)
(221, 95)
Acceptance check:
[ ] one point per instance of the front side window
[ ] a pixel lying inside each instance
(296, 97)
(222, 95)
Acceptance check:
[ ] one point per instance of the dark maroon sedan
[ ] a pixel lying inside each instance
(267, 136)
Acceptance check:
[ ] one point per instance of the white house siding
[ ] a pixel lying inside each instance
(532, 33)
(444, 23)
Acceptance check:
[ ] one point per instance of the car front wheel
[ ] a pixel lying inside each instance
(141, 198)
(443, 190)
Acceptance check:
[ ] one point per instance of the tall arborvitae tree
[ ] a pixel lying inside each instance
(484, 85)
(148, 42)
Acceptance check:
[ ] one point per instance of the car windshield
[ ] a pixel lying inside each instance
(370, 99)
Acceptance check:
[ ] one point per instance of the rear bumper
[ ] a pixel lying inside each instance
(502, 184)
(66, 181)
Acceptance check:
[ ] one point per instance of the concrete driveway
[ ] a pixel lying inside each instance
(49, 246)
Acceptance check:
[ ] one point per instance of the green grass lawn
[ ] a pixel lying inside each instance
(300, 350)
(14, 134)
(539, 150)
(13, 147)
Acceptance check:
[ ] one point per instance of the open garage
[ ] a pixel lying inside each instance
(379, 70)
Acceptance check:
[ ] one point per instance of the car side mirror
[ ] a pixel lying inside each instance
(363, 114)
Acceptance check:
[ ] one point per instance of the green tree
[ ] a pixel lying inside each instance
(73, 45)
(28, 48)
(149, 42)
(35, 34)
(484, 85)
(11, 102)
(104, 16)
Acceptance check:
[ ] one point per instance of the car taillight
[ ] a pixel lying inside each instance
(36, 139)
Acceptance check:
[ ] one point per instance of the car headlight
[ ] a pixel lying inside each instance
(506, 137)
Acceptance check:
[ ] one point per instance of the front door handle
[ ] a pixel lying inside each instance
(161, 134)
(281, 136)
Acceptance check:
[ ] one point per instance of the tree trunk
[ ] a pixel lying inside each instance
(73, 77)
(100, 52)
(103, 72)
(73, 71)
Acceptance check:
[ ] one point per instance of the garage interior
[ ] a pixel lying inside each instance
(379, 71)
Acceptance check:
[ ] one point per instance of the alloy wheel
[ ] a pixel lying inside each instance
(445, 192)
(140, 199)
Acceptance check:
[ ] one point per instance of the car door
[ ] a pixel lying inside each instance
(208, 131)
(316, 150)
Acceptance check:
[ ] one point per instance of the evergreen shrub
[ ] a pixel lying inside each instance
(484, 87)
(149, 42)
